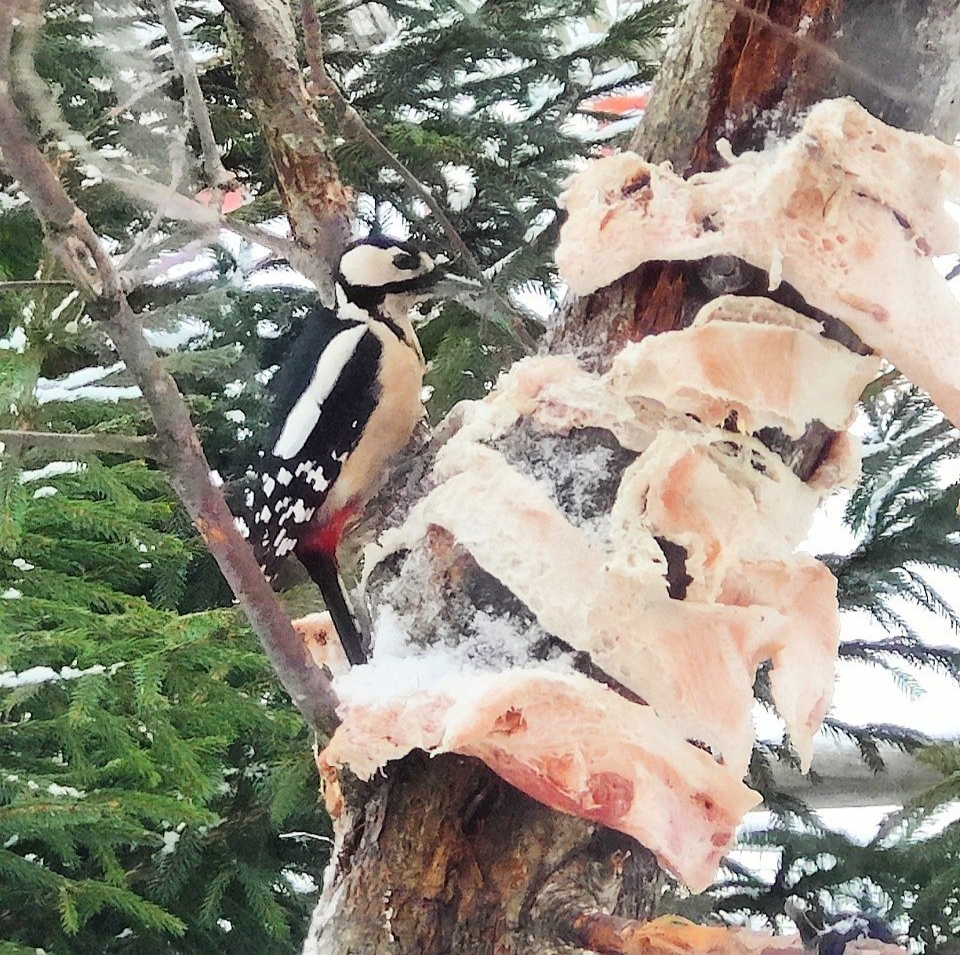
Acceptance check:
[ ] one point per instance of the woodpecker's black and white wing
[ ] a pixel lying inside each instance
(325, 395)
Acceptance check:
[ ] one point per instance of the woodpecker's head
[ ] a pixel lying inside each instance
(382, 277)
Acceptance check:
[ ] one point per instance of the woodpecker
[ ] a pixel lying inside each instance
(347, 400)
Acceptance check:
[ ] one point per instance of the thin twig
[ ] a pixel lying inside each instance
(353, 124)
(17, 286)
(79, 250)
(108, 117)
(178, 164)
(278, 244)
(168, 204)
(195, 111)
(47, 110)
(218, 178)
(133, 446)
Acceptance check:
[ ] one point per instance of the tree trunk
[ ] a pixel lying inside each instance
(439, 856)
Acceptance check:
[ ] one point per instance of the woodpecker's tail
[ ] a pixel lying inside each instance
(322, 567)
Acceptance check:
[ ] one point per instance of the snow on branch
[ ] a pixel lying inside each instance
(848, 211)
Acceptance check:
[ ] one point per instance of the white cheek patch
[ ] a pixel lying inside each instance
(305, 414)
(371, 266)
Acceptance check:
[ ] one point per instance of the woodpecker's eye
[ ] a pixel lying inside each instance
(407, 261)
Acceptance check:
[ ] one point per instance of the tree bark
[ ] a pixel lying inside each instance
(440, 856)
(264, 46)
(443, 856)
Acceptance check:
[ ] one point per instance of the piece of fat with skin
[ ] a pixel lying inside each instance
(802, 677)
(752, 358)
(722, 497)
(881, 158)
(320, 638)
(570, 743)
(820, 205)
(554, 393)
(631, 630)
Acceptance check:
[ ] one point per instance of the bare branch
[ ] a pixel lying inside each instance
(352, 123)
(78, 249)
(22, 286)
(278, 244)
(133, 99)
(133, 446)
(166, 200)
(671, 935)
(178, 164)
(217, 177)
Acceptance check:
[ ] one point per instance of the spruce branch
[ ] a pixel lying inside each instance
(80, 251)
(135, 446)
(491, 303)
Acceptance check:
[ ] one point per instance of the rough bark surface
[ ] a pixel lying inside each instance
(440, 856)
(264, 45)
(462, 862)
